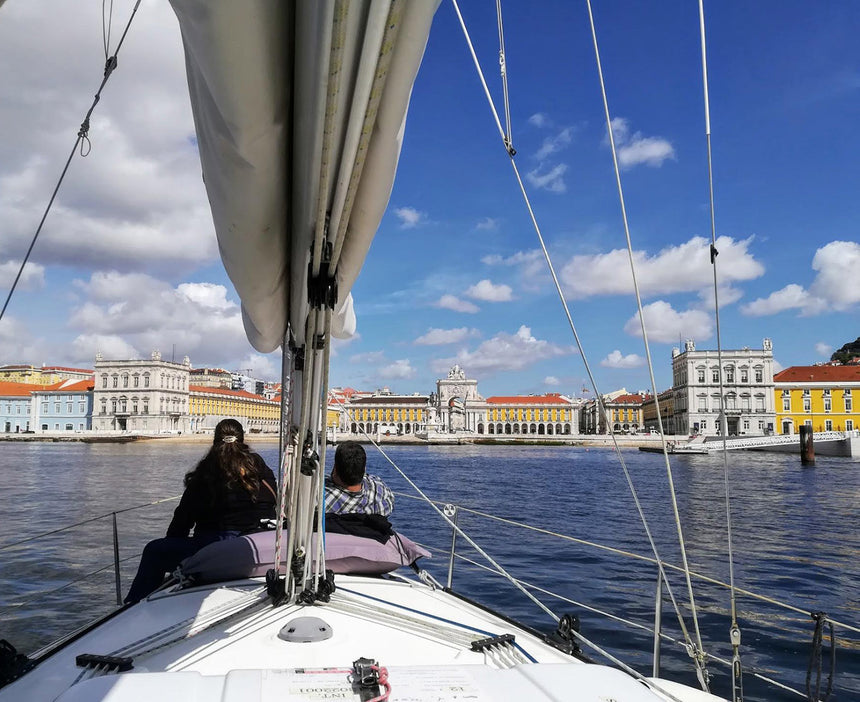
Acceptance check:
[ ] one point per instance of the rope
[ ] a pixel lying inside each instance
(83, 138)
(734, 629)
(698, 655)
(579, 344)
(820, 618)
(85, 521)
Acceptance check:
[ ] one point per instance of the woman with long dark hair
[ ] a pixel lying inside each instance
(227, 494)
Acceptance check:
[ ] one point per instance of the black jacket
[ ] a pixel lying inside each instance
(230, 510)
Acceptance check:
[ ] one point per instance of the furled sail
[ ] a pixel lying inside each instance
(299, 109)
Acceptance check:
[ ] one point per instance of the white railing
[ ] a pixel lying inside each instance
(779, 440)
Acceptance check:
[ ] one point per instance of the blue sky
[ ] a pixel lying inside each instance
(128, 261)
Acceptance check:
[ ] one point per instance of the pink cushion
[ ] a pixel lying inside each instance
(252, 555)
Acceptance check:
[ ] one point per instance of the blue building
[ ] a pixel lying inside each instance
(15, 407)
(63, 407)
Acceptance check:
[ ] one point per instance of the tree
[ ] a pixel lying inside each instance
(847, 352)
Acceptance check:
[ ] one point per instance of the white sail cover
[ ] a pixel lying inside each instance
(299, 109)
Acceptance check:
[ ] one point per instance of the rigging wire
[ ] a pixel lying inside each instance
(734, 629)
(106, 26)
(503, 69)
(695, 653)
(699, 657)
(82, 139)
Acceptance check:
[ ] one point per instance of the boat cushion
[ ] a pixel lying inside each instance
(252, 555)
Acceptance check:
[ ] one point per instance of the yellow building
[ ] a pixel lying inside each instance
(386, 413)
(823, 397)
(42, 375)
(549, 414)
(208, 406)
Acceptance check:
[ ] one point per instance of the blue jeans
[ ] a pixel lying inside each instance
(162, 556)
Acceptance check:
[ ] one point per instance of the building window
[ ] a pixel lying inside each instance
(125, 380)
(846, 396)
(745, 377)
(849, 425)
(786, 404)
(136, 380)
(56, 408)
(146, 380)
(730, 374)
(746, 425)
(68, 408)
(104, 406)
(758, 375)
(82, 407)
(759, 403)
(808, 423)
(827, 403)
(701, 375)
(70, 427)
(104, 381)
(807, 404)
(703, 424)
(145, 409)
(828, 425)
(44, 408)
(715, 375)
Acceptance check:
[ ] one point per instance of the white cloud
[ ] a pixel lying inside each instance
(450, 302)
(489, 224)
(110, 346)
(728, 294)
(552, 180)
(127, 315)
(835, 286)
(682, 268)
(555, 143)
(139, 193)
(664, 324)
(438, 337)
(488, 291)
(32, 277)
(369, 357)
(17, 344)
(539, 119)
(401, 369)
(504, 352)
(410, 217)
(838, 266)
(823, 349)
(790, 297)
(532, 265)
(634, 149)
(551, 381)
(617, 360)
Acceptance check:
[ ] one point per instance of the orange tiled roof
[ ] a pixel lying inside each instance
(629, 399)
(64, 368)
(224, 391)
(10, 389)
(818, 374)
(552, 398)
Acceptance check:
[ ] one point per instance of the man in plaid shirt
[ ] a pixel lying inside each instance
(349, 490)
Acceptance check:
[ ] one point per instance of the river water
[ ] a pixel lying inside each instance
(796, 540)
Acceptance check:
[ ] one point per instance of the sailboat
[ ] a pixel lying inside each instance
(299, 110)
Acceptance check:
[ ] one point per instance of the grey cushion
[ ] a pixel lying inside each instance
(252, 555)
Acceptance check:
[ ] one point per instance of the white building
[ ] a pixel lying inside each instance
(149, 397)
(748, 389)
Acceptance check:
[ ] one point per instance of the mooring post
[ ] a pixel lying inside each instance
(807, 450)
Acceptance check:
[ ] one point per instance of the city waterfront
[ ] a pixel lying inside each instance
(794, 538)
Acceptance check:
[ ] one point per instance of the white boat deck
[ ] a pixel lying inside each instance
(222, 643)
